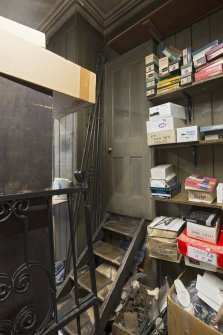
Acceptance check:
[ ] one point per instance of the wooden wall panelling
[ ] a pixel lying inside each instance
(216, 31)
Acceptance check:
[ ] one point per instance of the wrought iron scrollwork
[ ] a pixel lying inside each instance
(19, 208)
(5, 286)
(5, 211)
(6, 327)
(21, 279)
(26, 320)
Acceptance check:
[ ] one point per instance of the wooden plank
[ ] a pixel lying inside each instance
(191, 144)
(121, 228)
(109, 252)
(50, 71)
(181, 198)
(113, 296)
(103, 283)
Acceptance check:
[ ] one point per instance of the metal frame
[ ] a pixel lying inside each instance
(18, 205)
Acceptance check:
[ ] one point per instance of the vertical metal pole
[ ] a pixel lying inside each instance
(72, 239)
(52, 260)
(91, 262)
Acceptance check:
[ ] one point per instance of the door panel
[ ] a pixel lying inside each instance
(128, 158)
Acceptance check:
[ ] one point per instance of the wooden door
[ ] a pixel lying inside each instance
(128, 158)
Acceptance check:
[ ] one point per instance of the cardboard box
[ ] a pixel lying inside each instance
(163, 66)
(187, 56)
(187, 69)
(180, 322)
(151, 59)
(162, 237)
(199, 265)
(187, 80)
(154, 182)
(204, 233)
(161, 171)
(161, 137)
(160, 123)
(26, 61)
(199, 196)
(152, 68)
(200, 250)
(188, 134)
(168, 109)
(151, 92)
(30, 35)
(220, 193)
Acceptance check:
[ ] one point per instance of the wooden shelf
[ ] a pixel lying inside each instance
(181, 198)
(187, 144)
(199, 87)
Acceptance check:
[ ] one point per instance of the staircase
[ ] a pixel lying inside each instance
(115, 245)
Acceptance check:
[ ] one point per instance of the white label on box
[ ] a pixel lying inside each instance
(202, 255)
(186, 70)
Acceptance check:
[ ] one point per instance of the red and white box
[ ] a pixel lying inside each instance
(200, 250)
(213, 70)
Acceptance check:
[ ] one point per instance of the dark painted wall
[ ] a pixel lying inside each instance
(25, 138)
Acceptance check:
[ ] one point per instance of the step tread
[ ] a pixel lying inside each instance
(109, 252)
(86, 324)
(126, 229)
(103, 283)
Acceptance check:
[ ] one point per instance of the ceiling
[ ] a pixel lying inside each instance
(27, 12)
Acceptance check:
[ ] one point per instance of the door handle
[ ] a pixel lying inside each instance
(109, 150)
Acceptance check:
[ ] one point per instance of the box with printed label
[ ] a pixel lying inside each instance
(199, 265)
(168, 109)
(188, 134)
(159, 123)
(163, 66)
(151, 59)
(204, 233)
(161, 137)
(187, 80)
(200, 196)
(220, 193)
(200, 250)
(162, 237)
(187, 69)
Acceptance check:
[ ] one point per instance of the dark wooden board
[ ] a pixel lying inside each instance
(103, 283)
(109, 252)
(121, 228)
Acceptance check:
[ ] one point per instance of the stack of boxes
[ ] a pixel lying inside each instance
(208, 60)
(152, 76)
(201, 189)
(163, 182)
(202, 240)
(169, 69)
(162, 238)
(187, 69)
(163, 121)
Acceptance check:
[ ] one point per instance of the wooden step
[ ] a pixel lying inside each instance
(122, 228)
(86, 320)
(103, 283)
(109, 252)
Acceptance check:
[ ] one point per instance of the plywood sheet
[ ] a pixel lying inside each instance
(28, 62)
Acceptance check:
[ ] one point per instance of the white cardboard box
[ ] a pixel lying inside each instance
(188, 134)
(198, 264)
(168, 109)
(160, 123)
(154, 182)
(204, 233)
(161, 137)
(31, 35)
(161, 171)
(220, 193)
